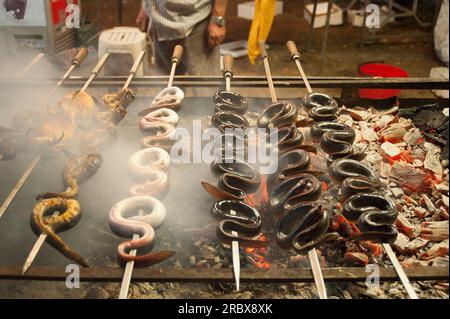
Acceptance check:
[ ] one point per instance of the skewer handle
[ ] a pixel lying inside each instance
(177, 54)
(79, 58)
(228, 65)
(262, 48)
(293, 50)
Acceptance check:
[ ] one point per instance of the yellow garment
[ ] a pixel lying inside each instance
(261, 25)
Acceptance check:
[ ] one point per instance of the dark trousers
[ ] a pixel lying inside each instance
(198, 58)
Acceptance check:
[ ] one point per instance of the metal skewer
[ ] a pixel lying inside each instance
(133, 70)
(400, 272)
(398, 268)
(228, 74)
(312, 254)
(265, 60)
(75, 63)
(43, 236)
(126, 279)
(30, 65)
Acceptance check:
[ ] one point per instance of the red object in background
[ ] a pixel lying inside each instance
(57, 7)
(379, 69)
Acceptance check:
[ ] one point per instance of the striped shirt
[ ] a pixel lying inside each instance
(175, 19)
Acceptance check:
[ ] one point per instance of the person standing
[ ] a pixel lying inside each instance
(197, 25)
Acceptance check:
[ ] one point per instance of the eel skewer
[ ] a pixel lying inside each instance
(41, 240)
(393, 258)
(228, 74)
(171, 96)
(76, 62)
(312, 254)
(126, 279)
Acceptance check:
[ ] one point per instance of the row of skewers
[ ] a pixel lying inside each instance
(57, 212)
(304, 222)
(304, 225)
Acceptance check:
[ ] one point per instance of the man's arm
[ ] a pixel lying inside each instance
(216, 33)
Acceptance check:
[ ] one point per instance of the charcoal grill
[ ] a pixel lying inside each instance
(187, 203)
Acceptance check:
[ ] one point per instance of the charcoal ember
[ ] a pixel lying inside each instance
(426, 201)
(413, 137)
(432, 159)
(440, 262)
(401, 243)
(437, 250)
(390, 150)
(434, 231)
(411, 178)
(368, 133)
(417, 244)
(405, 226)
(358, 113)
(396, 131)
(420, 212)
(356, 258)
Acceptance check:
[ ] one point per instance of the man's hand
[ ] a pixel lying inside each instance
(142, 20)
(216, 34)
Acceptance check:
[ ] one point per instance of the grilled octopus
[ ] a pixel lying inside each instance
(246, 221)
(124, 226)
(77, 171)
(121, 99)
(69, 215)
(78, 105)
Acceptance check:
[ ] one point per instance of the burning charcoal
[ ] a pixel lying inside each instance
(417, 244)
(391, 150)
(443, 213)
(368, 133)
(397, 192)
(395, 132)
(346, 119)
(401, 243)
(413, 137)
(432, 161)
(434, 231)
(437, 250)
(420, 212)
(428, 203)
(405, 226)
(374, 248)
(440, 262)
(384, 121)
(413, 262)
(445, 200)
(358, 114)
(356, 258)
(408, 177)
